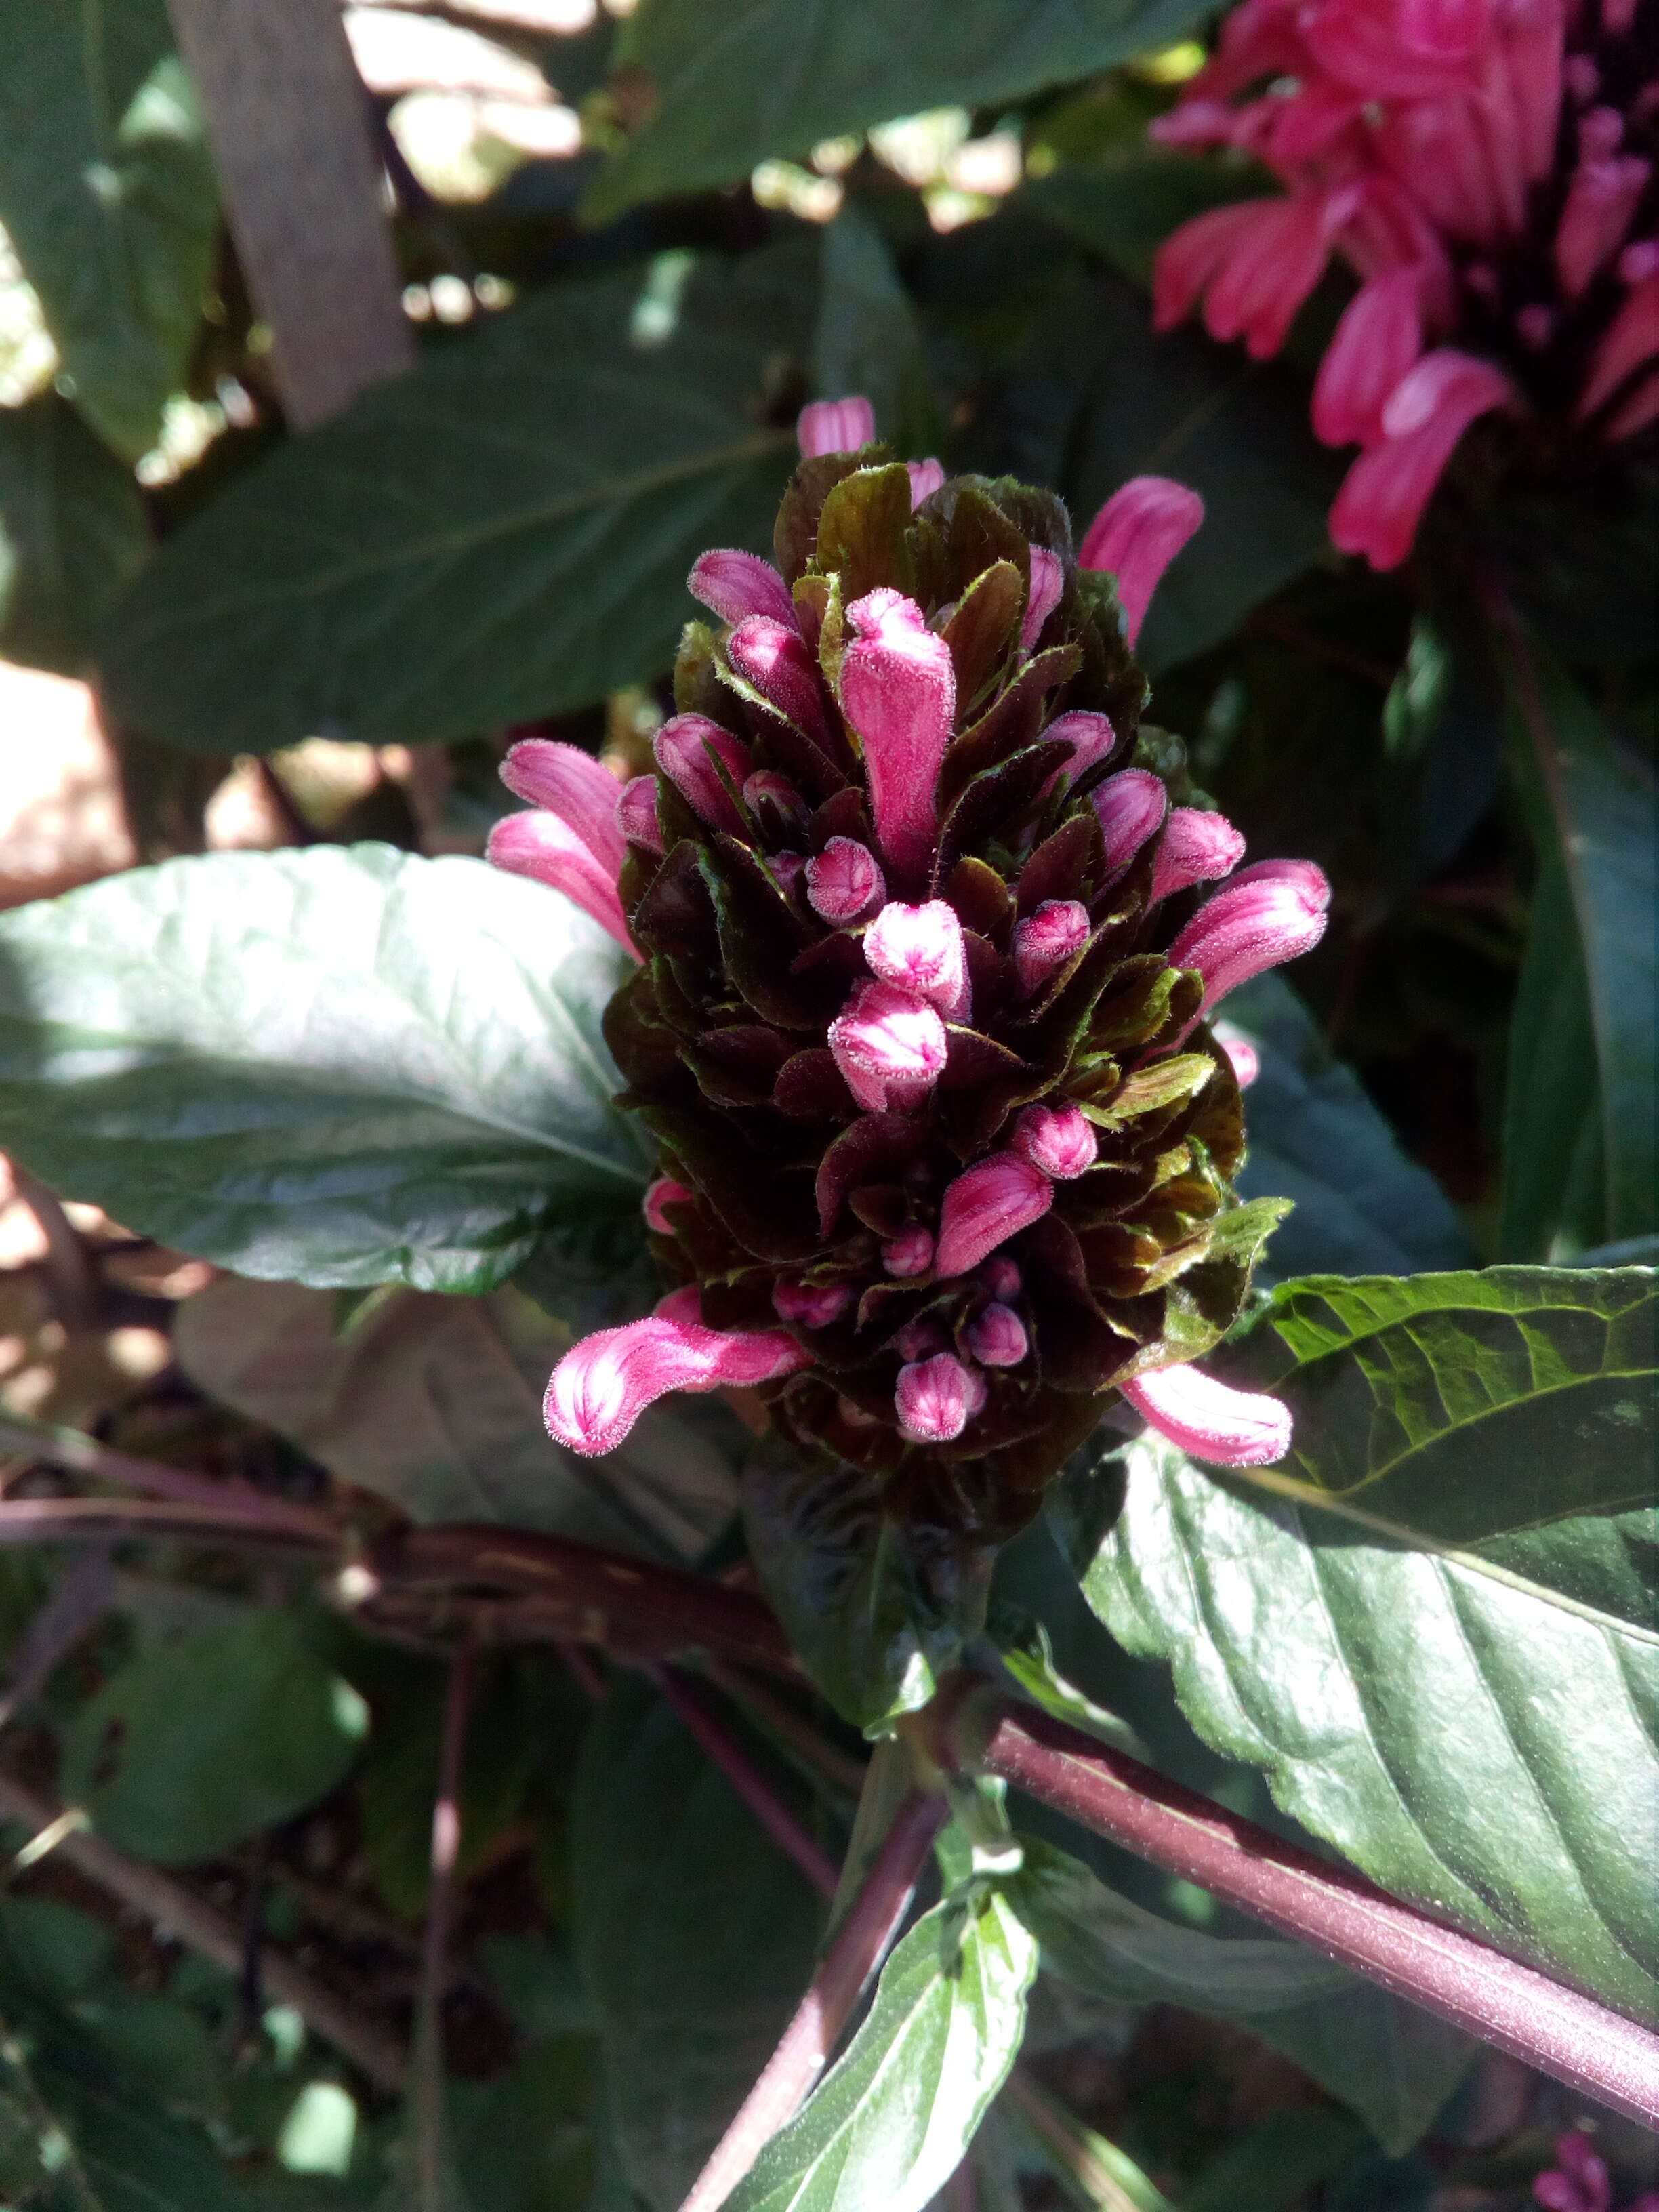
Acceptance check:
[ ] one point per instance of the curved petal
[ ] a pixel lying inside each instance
(1209, 1421)
(602, 1385)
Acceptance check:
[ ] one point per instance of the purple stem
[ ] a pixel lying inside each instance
(725, 1750)
(861, 1943)
(82, 1455)
(1329, 1907)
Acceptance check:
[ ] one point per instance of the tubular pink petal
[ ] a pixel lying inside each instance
(909, 1253)
(735, 585)
(664, 1192)
(926, 478)
(889, 1046)
(1384, 493)
(1263, 917)
(1129, 806)
(603, 1384)
(1060, 1141)
(988, 1204)
(834, 426)
(542, 846)
(1377, 340)
(844, 883)
(1210, 1422)
(813, 1305)
(1047, 582)
(1272, 270)
(683, 749)
(922, 949)
(788, 868)
(1630, 340)
(782, 667)
(1196, 848)
(996, 1337)
(1047, 939)
(1136, 535)
(1601, 200)
(899, 689)
(1188, 260)
(1443, 30)
(1090, 735)
(570, 783)
(1245, 1058)
(636, 813)
(935, 1398)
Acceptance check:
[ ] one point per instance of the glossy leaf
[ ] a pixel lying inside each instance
(107, 192)
(195, 1745)
(696, 1935)
(774, 76)
(1361, 1207)
(868, 339)
(503, 534)
(72, 533)
(890, 2122)
(1123, 206)
(1455, 1552)
(346, 1066)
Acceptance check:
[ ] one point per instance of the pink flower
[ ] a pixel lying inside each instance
(664, 1191)
(1209, 1421)
(1060, 1141)
(604, 1383)
(569, 841)
(686, 750)
(735, 585)
(1047, 939)
(922, 949)
(889, 1046)
(636, 813)
(835, 425)
(926, 478)
(777, 660)
(1048, 582)
(1267, 914)
(996, 1336)
(1195, 848)
(900, 691)
(988, 1204)
(1136, 535)
(937, 1398)
(1630, 340)
(1385, 492)
(1091, 737)
(1128, 806)
(813, 1305)
(909, 1253)
(844, 883)
(1246, 1061)
(1377, 340)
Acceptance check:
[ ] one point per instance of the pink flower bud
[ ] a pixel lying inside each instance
(921, 948)
(996, 1337)
(834, 426)
(844, 883)
(926, 478)
(1136, 535)
(682, 751)
(664, 1192)
(1046, 941)
(773, 801)
(604, 1383)
(788, 868)
(1059, 1139)
(988, 1204)
(733, 584)
(889, 1047)
(1091, 735)
(1208, 1420)
(571, 784)
(777, 660)
(814, 1305)
(539, 845)
(1047, 582)
(636, 813)
(1269, 914)
(1245, 1058)
(935, 1398)
(899, 687)
(920, 1340)
(909, 1253)
(1195, 848)
(1001, 1279)
(1130, 806)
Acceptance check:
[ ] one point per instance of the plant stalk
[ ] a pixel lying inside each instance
(724, 1749)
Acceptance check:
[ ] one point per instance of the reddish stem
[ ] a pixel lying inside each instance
(860, 1944)
(726, 1751)
(82, 1455)
(1335, 1911)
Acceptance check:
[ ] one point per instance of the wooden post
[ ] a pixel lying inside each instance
(288, 120)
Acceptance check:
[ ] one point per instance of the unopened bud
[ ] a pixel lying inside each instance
(636, 813)
(844, 883)
(935, 1398)
(921, 948)
(899, 687)
(909, 1253)
(1047, 582)
(889, 1046)
(1209, 1421)
(1130, 806)
(988, 1203)
(683, 748)
(1047, 939)
(996, 1337)
(1195, 848)
(1269, 914)
(1001, 1277)
(1136, 535)
(1060, 1140)
(835, 425)
(664, 1192)
(735, 585)
(814, 1305)
(926, 478)
(774, 658)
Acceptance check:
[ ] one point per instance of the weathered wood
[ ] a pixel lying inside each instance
(288, 120)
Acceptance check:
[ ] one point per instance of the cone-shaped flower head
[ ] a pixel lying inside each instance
(945, 1143)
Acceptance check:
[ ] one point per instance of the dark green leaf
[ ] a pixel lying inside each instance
(1124, 207)
(134, 2157)
(501, 535)
(346, 1066)
(1361, 1207)
(868, 339)
(197, 1744)
(1457, 1550)
(107, 192)
(1274, 2164)
(697, 1938)
(71, 534)
(891, 2121)
(1442, 731)
(1581, 1133)
(774, 76)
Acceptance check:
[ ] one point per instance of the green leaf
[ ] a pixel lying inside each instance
(342, 1065)
(765, 77)
(1274, 2165)
(890, 2122)
(1124, 206)
(1395, 2064)
(501, 535)
(875, 1612)
(868, 339)
(1456, 1551)
(696, 1937)
(436, 1403)
(1590, 973)
(197, 1744)
(72, 533)
(107, 192)
(1361, 1207)
(134, 2158)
